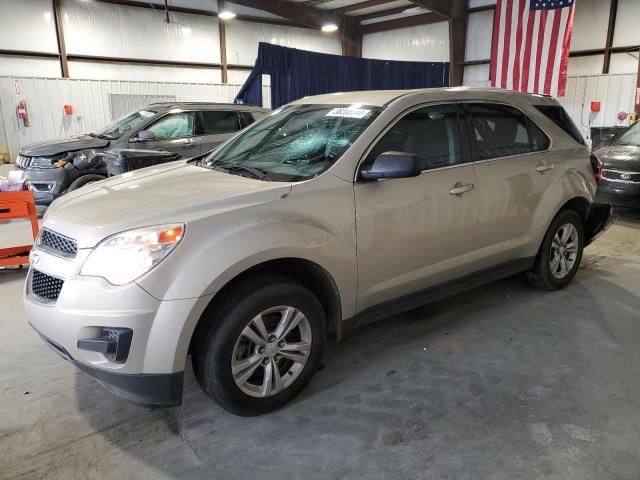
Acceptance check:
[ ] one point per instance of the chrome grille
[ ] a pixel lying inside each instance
(45, 286)
(619, 176)
(22, 161)
(57, 243)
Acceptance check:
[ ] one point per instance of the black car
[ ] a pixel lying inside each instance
(189, 129)
(618, 169)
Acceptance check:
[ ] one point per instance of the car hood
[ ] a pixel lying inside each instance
(620, 157)
(171, 193)
(53, 147)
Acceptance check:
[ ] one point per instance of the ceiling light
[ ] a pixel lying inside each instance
(226, 15)
(329, 27)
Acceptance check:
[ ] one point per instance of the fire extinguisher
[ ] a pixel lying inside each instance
(21, 113)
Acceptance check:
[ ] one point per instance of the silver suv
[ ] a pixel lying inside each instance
(333, 208)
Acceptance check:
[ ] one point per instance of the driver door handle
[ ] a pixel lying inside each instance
(189, 144)
(543, 167)
(459, 188)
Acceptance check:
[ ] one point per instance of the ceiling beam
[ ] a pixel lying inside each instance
(412, 21)
(359, 6)
(381, 13)
(441, 7)
(310, 16)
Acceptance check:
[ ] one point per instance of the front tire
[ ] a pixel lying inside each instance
(264, 343)
(560, 254)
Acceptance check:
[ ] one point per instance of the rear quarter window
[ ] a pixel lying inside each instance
(561, 118)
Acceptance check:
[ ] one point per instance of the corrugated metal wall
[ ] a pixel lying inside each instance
(616, 93)
(91, 101)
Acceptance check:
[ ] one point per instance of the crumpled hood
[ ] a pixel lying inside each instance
(620, 157)
(171, 193)
(53, 147)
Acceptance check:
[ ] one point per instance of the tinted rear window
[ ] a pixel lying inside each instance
(559, 116)
(503, 131)
(220, 122)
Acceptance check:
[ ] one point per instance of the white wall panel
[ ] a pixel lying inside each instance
(208, 5)
(479, 36)
(153, 73)
(624, 63)
(476, 75)
(93, 28)
(251, 12)
(243, 39)
(480, 3)
(91, 103)
(29, 66)
(627, 32)
(616, 93)
(27, 25)
(590, 24)
(426, 43)
(591, 65)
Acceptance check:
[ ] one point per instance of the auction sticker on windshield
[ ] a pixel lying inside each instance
(146, 114)
(349, 112)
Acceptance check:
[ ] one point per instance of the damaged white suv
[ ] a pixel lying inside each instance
(331, 208)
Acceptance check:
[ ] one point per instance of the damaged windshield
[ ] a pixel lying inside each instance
(124, 125)
(293, 143)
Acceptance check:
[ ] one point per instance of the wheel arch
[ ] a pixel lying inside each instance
(304, 271)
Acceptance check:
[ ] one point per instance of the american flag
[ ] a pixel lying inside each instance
(530, 48)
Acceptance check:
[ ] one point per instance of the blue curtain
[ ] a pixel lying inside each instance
(298, 73)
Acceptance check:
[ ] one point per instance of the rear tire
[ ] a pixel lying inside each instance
(560, 253)
(263, 343)
(85, 180)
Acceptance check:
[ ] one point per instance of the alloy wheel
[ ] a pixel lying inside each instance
(271, 351)
(564, 250)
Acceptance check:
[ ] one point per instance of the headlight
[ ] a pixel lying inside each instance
(126, 256)
(41, 162)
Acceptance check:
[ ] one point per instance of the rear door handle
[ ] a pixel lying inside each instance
(543, 167)
(459, 188)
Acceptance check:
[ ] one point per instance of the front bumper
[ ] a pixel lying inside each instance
(48, 183)
(153, 369)
(149, 390)
(620, 194)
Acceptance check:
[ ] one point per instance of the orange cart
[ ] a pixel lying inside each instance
(14, 205)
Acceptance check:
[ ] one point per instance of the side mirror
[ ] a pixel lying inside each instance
(145, 136)
(392, 165)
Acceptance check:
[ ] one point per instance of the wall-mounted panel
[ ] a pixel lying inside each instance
(99, 29)
(591, 65)
(476, 75)
(624, 62)
(29, 66)
(150, 73)
(627, 32)
(479, 36)
(590, 24)
(243, 39)
(424, 43)
(28, 25)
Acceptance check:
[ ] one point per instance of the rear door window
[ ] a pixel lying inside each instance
(432, 133)
(217, 122)
(561, 118)
(502, 131)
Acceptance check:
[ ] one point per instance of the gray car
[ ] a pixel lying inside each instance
(331, 210)
(186, 128)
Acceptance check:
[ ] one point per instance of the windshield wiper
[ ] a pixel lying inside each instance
(231, 167)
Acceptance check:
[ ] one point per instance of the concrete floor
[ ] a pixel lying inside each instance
(503, 382)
